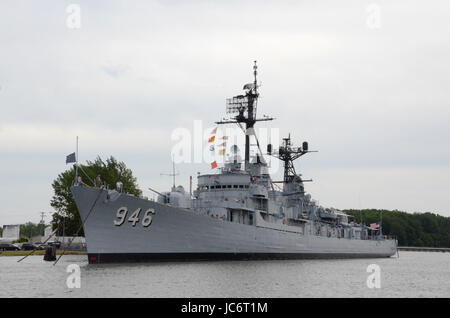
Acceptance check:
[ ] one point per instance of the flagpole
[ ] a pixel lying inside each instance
(381, 223)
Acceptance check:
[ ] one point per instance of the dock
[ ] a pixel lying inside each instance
(424, 249)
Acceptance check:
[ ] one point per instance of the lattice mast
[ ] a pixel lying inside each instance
(245, 107)
(287, 153)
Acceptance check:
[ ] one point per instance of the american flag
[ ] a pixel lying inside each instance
(71, 158)
(375, 225)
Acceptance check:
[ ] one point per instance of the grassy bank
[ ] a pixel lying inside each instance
(23, 253)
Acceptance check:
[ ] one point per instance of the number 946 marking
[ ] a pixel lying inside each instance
(134, 217)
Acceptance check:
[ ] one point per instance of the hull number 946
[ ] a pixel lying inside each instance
(134, 217)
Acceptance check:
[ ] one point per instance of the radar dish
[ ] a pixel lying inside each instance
(249, 86)
(237, 104)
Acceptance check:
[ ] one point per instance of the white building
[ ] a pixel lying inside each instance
(10, 233)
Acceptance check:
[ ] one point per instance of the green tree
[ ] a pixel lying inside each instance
(417, 229)
(30, 229)
(21, 240)
(62, 201)
(1, 231)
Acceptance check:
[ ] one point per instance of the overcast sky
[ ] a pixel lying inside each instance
(365, 82)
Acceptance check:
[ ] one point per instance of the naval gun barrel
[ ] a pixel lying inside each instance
(164, 195)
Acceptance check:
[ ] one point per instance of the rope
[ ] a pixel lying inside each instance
(82, 224)
(81, 168)
(32, 252)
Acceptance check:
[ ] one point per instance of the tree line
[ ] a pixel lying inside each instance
(30, 229)
(411, 229)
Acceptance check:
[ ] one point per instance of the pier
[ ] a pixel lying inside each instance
(424, 249)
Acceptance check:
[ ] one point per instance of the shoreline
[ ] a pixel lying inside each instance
(41, 252)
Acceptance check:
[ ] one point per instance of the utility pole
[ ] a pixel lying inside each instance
(380, 234)
(42, 223)
(64, 230)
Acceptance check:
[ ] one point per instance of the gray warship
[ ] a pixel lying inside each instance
(238, 213)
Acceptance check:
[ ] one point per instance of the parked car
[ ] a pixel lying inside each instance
(48, 244)
(28, 246)
(8, 247)
(18, 245)
(38, 246)
(57, 244)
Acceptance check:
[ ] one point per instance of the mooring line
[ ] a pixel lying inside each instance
(81, 226)
(36, 248)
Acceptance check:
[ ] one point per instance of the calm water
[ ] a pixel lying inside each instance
(414, 274)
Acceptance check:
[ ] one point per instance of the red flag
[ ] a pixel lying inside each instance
(213, 165)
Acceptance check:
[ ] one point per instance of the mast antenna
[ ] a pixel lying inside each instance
(243, 110)
(255, 72)
(173, 174)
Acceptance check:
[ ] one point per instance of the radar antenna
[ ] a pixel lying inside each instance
(287, 153)
(244, 106)
(173, 174)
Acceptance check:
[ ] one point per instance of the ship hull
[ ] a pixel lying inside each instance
(96, 258)
(177, 234)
